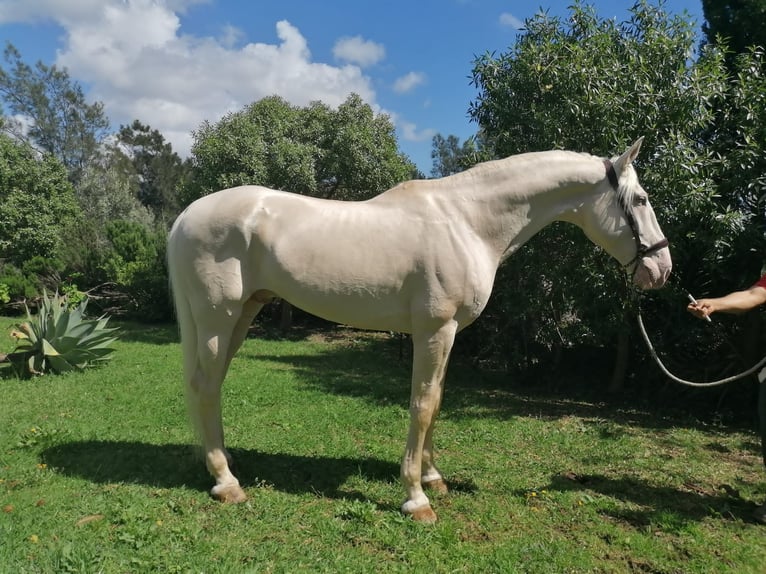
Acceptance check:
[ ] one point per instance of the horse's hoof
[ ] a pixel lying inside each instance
(232, 493)
(439, 486)
(424, 514)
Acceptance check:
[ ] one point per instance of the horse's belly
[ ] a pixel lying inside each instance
(363, 310)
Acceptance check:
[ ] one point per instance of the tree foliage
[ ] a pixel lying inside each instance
(741, 24)
(58, 156)
(343, 153)
(449, 156)
(36, 202)
(156, 169)
(589, 84)
(53, 112)
(108, 191)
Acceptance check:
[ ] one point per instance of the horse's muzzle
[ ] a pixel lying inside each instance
(653, 271)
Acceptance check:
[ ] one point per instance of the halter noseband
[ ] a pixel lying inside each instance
(641, 249)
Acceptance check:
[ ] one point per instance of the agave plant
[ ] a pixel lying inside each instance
(58, 339)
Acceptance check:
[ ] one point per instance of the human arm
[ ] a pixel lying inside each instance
(736, 302)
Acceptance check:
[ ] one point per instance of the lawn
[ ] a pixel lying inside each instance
(99, 472)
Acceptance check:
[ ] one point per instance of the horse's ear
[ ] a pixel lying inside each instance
(629, 156)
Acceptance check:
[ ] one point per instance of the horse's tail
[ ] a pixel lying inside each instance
(187, 327)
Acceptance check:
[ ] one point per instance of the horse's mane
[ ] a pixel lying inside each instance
(626, 190)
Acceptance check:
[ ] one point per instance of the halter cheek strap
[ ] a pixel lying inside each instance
(641, 249)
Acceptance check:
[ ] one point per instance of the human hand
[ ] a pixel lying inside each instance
(701, 309)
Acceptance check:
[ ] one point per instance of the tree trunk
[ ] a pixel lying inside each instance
(286, 317)
(617, 384)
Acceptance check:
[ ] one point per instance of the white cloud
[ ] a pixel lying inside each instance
(409, 82)
(231, 36)
(135, 58)
(38, 10)
(70, 10)
(411, 133)
(508, 19)
(359, 51)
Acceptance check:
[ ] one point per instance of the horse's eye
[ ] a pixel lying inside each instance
(640, 200)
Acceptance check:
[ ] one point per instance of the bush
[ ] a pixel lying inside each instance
(136, 263)
(17, 285)
(30, 280)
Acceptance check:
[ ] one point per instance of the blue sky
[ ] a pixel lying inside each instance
(175, 63)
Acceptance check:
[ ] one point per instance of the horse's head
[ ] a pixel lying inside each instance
(624, 223)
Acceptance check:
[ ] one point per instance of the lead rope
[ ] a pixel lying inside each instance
(636, 296)
(670, 375)
(637, 299)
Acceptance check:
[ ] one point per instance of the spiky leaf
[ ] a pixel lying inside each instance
(60, 339)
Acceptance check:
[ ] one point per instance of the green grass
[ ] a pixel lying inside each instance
(99, 472)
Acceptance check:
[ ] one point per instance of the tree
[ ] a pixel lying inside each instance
(348, 153)
(450, 157)
(360, 155)
(594, 85)
(36, 203)
(741, 24)
(158, 171)
(108, 191)
(58, 119)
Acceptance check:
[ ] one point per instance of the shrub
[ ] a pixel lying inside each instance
(136, 263)
(18, 284)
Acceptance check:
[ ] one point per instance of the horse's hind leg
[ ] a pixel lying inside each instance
(216, 344)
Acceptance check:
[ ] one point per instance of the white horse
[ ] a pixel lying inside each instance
(420, 258)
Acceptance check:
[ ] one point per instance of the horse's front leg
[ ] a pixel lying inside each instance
(430, 476)
(430, 356)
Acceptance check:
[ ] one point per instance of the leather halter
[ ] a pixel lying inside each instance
(641, 249)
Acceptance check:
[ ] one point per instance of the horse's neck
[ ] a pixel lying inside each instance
(513, 199)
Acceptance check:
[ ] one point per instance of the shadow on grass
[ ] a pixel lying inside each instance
(175, 466)
(375, 369)
(663, 507)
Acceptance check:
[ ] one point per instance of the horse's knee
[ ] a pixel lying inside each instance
(423, 413)
(201, 389)
(196, 383)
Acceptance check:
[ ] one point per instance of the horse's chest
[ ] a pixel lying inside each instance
(462, 282)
